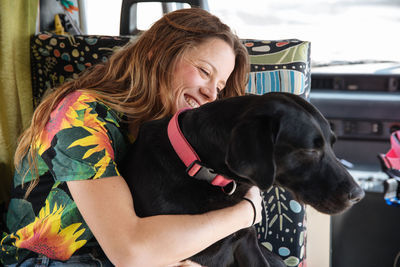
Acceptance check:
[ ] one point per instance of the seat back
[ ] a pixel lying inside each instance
(58, 58)
(276, 66)
(279, 66)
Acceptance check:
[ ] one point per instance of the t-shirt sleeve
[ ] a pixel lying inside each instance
(79, 141)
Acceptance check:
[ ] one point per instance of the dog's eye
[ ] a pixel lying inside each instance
(318, 142)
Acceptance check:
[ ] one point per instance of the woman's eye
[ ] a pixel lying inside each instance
(205, 72)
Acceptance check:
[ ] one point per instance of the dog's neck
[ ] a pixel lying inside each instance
(195, 167)
(209, 134)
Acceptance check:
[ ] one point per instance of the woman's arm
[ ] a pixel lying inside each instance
(107, 207)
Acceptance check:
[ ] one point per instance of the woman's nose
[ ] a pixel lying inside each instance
(209, 91)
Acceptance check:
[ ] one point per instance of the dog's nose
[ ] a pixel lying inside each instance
(356, 194)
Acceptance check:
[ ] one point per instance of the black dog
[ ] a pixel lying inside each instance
(254, 140)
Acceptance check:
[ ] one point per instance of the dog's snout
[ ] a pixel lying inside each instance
(356, 194)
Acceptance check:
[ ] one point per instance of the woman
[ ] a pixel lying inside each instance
(69, 205)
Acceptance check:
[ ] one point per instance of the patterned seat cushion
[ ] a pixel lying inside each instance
(276, 66)
(279, 66)
(58, 58)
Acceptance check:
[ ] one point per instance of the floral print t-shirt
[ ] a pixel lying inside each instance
(83, 140)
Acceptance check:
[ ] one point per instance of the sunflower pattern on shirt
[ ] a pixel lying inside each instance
(82, 140)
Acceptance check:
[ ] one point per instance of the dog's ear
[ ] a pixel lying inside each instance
(250, 152)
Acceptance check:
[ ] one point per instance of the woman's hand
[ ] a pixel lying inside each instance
(254, 195)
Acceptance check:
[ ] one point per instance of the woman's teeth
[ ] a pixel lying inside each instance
(191, 102)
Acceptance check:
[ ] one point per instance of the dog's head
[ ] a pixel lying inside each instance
(285, 140)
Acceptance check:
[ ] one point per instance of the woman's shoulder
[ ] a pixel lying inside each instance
(85, 101)
(81, 125)
(83, 108)
(84, 138)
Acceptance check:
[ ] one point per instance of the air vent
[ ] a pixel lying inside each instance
(321, 82)
(345, 82)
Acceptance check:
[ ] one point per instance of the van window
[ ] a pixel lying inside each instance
(341, 31)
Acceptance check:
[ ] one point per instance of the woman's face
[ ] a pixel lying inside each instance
(202, 73)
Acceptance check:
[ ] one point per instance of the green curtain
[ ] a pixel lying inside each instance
(17, 24)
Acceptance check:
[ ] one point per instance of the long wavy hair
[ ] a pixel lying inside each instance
(136, 78)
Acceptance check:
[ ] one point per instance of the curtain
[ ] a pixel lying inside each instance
(17, 24)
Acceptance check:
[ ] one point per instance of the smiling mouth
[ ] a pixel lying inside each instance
(191, 102)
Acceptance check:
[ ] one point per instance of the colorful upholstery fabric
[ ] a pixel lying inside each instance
(83, 140)
(279, 66)
(283, 226)
(58, 58)
(275, 66)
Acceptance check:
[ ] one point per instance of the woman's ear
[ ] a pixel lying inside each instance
(250, 152)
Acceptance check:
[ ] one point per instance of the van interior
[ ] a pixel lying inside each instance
(354, 70)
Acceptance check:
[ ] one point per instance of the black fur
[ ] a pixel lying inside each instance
(277, 138)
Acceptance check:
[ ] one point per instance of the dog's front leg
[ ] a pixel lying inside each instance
(248, 252)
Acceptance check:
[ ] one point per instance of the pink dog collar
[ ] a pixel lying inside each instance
(189, 157)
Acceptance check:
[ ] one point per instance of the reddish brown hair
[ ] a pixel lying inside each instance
(134, 78)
